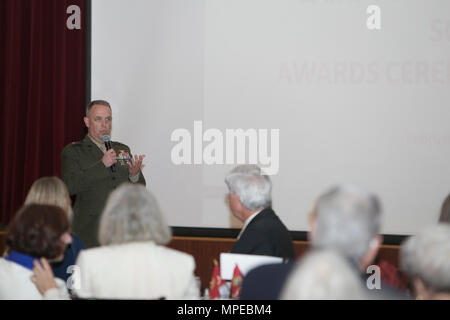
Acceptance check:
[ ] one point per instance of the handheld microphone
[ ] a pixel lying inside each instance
(107, 141)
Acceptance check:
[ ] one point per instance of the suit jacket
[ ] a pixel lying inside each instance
(265, 282)
(87, 177)
(266, 235)
(136, 270)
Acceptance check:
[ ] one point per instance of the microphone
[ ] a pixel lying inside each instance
(107, 141)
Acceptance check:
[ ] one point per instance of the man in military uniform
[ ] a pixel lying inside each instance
(88, 174)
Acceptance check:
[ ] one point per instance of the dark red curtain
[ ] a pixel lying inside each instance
(42, 92)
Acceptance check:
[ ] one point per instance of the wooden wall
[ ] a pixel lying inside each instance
(205, 250)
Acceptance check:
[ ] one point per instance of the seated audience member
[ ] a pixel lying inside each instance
(426, 259)
(53, 191)
(323, 275)
(445, 211)
(348, 220)
(265, 282)
(345, 219)
(132, 262)
(250, 200)
(36, 234)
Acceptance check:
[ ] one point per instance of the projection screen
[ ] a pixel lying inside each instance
(317, 92)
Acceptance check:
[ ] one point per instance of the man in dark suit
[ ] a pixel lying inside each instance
(250, 201)
(87, 170)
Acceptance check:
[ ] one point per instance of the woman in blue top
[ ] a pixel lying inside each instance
(53, 191)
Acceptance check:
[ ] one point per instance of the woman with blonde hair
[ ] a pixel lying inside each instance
(53, 191)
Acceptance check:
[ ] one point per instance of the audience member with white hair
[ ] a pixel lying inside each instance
(133, 261)
(347, 219)
(323, 275)
(426, 259)
(250, 200)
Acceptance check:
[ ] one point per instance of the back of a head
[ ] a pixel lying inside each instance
(132, 214)
(348, 219)
(427, 256)
(323, 275)
(50, 191)
(36, 230)
(253, 187)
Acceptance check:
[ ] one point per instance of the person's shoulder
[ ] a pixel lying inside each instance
(146, 249)
(9, 268)
(118, 144)
(150, 251)
(4, 264)
(266, 219)
(72, 145)
(76, 145)
(272, 221)
(267, 214)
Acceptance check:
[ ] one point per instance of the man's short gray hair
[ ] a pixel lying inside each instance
(427, 257)
(253, 187)
(348, 219)
(132, 214)
(94, 102)
(323, 275)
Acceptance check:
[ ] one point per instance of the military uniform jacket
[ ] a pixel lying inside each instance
(91, 182)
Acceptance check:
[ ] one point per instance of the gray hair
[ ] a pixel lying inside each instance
(132, 214)
(323, 275)
(253, 187)
(95, 102)
(348, 219)
(427, 257)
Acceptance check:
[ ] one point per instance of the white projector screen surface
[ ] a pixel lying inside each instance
(331, 91)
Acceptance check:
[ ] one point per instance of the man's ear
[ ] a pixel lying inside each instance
(237, 200)
(86, 121)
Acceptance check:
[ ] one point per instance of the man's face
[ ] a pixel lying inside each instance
(99, 122)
